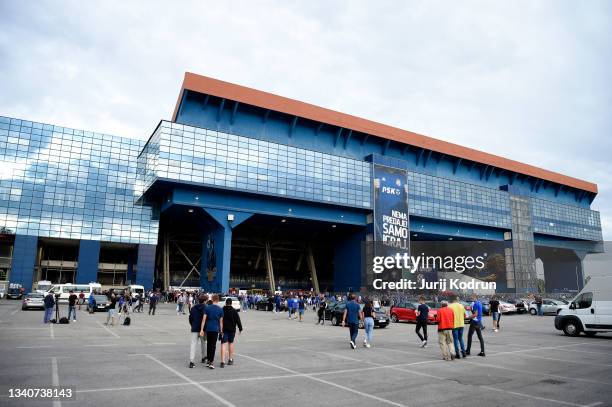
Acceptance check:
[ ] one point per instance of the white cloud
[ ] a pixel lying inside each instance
(527, 80)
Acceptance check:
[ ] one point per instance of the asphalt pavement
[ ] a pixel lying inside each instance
(283, 362)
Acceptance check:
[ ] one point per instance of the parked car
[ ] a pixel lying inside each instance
(265, 304)
(14, 291)
(101, 302)
(507, 308)
(336, 310)
(235, 302)
(486, 307)
(590, 311)
(33, 301)
(406, 311)
(521, 304)
(549, 306)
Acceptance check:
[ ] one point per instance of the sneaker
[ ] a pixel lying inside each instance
(457, 356)
(191, 365)
(463, 354)
(210, 366)
(204, 360)
(467, 353)
(481, 354)
(74, 320)
(230, 362)
(222, 365)
(353, 345)
(367, 345)
(496, 330)
(424, 344)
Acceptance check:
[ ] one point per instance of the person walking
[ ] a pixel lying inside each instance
(231, 320)
(494, 307)
(189, 302)
(475, 326)
(321, 311)
(421, 321)
(301, 308)
(368, 316)
(446, 323)
(352, 315)
(91, 304)
(212, 324)
(81, 299)
(459, 313)
(196, 315)
(153, 303)
(180, 304)
(72, 300)
(49, 305)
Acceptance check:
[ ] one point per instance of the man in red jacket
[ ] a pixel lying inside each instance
(446, 322)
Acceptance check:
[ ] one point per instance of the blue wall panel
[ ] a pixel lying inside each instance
(24, 258)
(349, 262)
(145, 265)
(89, 254)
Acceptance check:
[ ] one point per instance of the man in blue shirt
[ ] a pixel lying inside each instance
(212, 323)
(475, 326)
(351, 317)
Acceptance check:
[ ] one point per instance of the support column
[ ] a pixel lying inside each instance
(313, 271)
(349, 262)
(146, 265)
(217, 249)
(23, 261)
(166, 261)
(270, 268)
(87, 266)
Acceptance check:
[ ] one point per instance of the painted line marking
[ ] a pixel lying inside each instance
(108, 330)
(101, 345)
(55, 380)
(52, 332)
(33, 347)
(14, 312)
(317, 379)
(193, 382)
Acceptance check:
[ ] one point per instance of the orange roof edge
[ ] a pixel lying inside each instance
(243, 94)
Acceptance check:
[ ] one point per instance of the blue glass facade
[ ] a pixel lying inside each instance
(194, 155)
(65, 183)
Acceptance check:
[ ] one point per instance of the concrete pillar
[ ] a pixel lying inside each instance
(146, 265)
(349, 262)
(217, 249)
(23, 261)
(87, 267)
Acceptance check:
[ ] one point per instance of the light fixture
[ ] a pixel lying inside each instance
(450, 238)
(333, 226)
(230, 217)
(190, 210)
(283, 220)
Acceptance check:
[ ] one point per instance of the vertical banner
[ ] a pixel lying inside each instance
(391, 221)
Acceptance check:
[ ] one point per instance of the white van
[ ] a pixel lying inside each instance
(136, 290)
(590, 311)
(64, 290)
(42, 286)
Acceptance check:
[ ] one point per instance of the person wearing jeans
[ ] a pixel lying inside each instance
(351, 316)
(421, 321)
(72, 300)
(459, 313)
(475, 326)
(368, 323)
(49, 305)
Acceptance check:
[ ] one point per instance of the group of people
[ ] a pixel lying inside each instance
(450, 318)
(210, 322)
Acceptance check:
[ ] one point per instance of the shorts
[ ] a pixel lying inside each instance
(112, 312)
(228, 337)
(495, 316)
(302, 311)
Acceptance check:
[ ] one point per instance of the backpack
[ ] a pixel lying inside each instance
(127, 321)
(64, 320)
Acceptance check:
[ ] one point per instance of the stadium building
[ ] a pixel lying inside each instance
(246, 189)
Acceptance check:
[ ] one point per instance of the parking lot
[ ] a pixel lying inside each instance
(282, 362)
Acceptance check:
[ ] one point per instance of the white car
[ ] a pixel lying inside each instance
(549, 306)
(506, 308)
(235, 302)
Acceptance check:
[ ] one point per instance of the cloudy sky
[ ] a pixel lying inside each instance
(529, 80)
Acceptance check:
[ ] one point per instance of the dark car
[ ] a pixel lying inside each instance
(486, 307)
(335, 311)
(265, 304)
(14, 292)
(101, 302)
(520, 304)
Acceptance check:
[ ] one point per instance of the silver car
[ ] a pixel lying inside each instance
(549, 306)
(33, 301)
